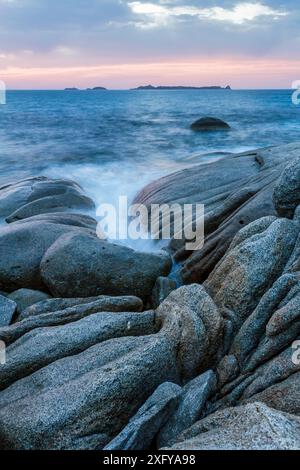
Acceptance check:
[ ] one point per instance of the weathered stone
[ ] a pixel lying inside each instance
(79, 265)
(235, 190)
(16, 198)
(283, 396)
(63, 218)
(143, 427)
(83, 401)
(43, 346)
(69, 315)
(192, 322)
(287, 191)
(92, 303)
(26, 297)
(192, 402)
(249, 427)
(8, 309)
(22, 247)
(52, 196)
(249, 269)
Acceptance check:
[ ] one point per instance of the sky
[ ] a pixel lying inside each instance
(119, 44)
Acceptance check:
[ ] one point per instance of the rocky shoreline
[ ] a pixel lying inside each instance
(105, 352)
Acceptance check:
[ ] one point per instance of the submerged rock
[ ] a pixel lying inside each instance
(209, 124)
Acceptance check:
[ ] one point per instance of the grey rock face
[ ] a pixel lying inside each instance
(7, 310)
(194, 325)
(192, 402)
(287, 190)
(142, 428)
(83, 401)
(250, 427)
(42, 346)
(91, 304)
(235, 190)
(209, 124)
(250, 268)
(26, 297)
(22, 247)
(69, 315)
(34, 196)
(80, 265)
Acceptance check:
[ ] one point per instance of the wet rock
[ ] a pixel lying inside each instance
(20, 265)
(68, 315)
(34, 196)
(143, 427)
(26, 297)
(84, 401)
(79, 265)
(209, 124)
(91, 304)
(283, 396)
(8, 309)
(192, 402)
(43, 346)
(162, 288)
(287, 190)
(192, 321)
(63, 218)
(249, 427)
(249, 269)
(235, 190)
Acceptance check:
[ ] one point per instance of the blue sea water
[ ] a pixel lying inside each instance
(114, 142)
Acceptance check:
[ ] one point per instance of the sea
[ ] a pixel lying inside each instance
(115, 142)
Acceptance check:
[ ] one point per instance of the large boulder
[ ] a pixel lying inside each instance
(287, 190)
(235, 190)
(250, 427)
(80, 265)
(22, 247)
(39, 195)
(209, 124)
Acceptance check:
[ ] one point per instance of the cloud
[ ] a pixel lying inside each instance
(160, 14)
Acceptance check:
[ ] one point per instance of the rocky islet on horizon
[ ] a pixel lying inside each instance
(105, 352)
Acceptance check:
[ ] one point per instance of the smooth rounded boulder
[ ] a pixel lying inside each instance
(209, 124)
(286, 194)
(80, 265)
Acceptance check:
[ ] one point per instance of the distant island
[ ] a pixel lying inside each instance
(96, 88)
(151, 87)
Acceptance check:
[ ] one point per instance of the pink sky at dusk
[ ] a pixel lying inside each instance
(259, 73)
(121, 44)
